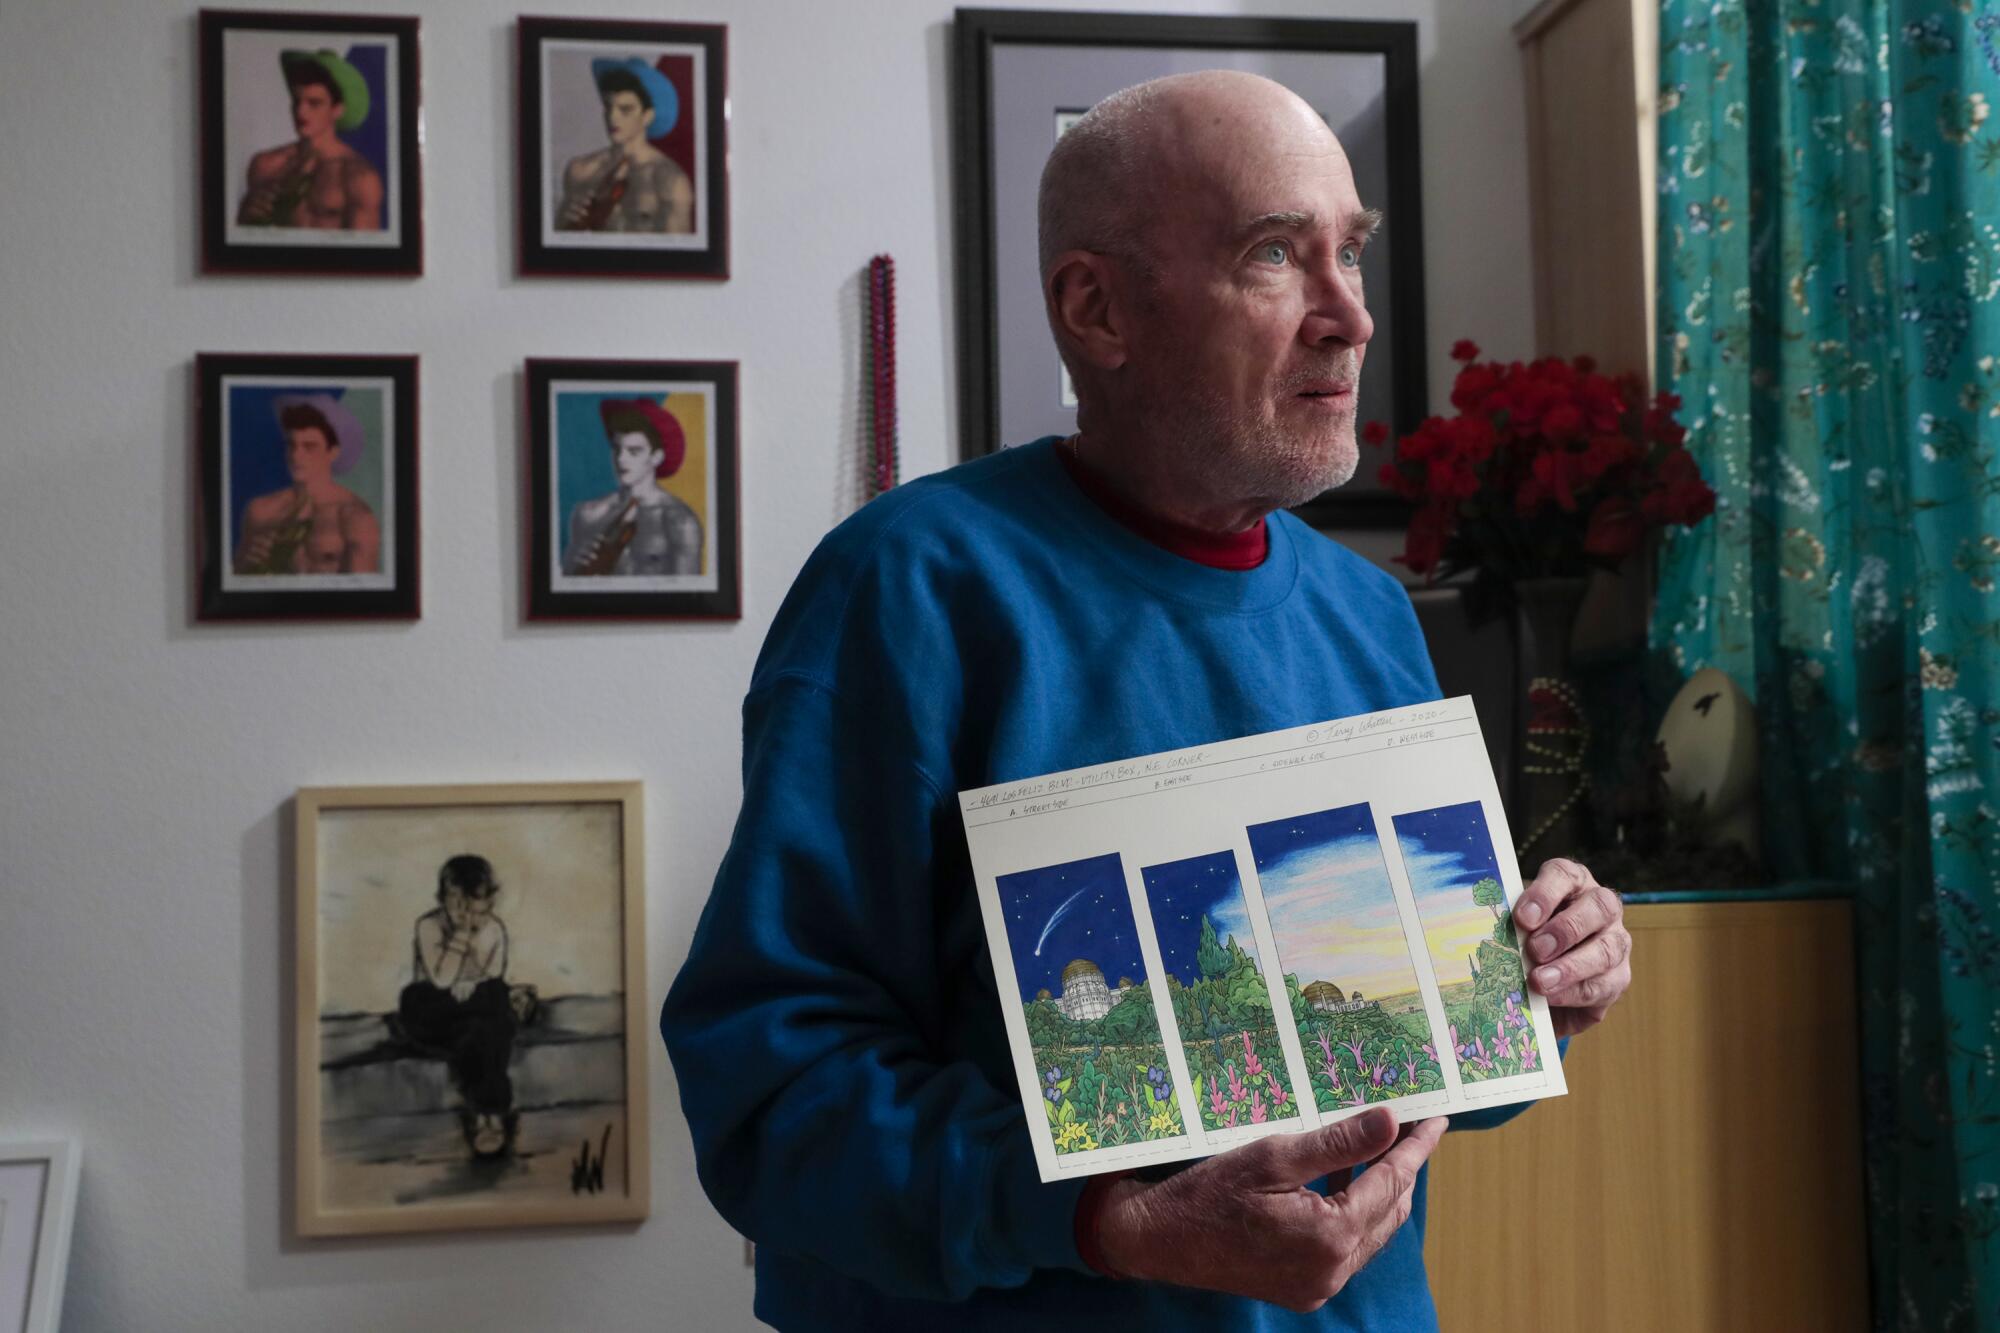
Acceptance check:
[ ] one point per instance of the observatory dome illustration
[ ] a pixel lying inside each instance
(1084, 994)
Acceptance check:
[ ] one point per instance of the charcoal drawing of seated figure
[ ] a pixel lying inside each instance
(459, 1006)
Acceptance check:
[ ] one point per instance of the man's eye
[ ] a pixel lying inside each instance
(1275, 252)
(1350, 255)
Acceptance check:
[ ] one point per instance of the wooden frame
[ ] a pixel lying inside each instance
(678, 558)
(237, 141)
(526, 828)
(42, 1175)
(992, 343)
(685, 62)
(244, 476)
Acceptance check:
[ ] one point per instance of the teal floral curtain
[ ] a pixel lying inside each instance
(1829, 178)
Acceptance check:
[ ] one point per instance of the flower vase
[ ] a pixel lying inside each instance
(1554, 734)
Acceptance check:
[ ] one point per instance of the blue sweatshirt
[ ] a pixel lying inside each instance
(836, 1030)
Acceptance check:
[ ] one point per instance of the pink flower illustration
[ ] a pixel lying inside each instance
(1354, 1049)
(1278, 1096)
(1235, 1083)
(1328, 1064)
(1502, 1048)
(1410, 1068)
(1215, 1102)
(1258, 1113)
(1528, 1056)
(1251, 1064)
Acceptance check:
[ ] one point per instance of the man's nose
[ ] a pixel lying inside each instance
(1335, 311)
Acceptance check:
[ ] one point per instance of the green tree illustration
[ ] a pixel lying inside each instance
(1209, 954)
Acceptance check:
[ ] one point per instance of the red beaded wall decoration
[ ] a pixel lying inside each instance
(882, 367)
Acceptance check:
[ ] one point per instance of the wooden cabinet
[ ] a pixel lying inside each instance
(1704, 1171)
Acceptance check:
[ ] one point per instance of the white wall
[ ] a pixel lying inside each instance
(146, 763)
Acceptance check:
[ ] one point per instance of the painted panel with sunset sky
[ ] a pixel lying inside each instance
(1347, 965)
(1216, 984)
(1455, 877)
(1098, 1051)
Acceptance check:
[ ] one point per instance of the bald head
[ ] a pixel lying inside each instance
(1105, 182)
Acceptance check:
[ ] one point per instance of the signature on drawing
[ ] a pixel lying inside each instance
(586, 1174)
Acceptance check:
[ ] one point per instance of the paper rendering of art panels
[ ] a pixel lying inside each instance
(1097, 1045)
(1221, 1001)
(471, 1029)
(1355, 993)
(308, 479)
(311, 132)
(624, 163)
(1455, 876)
(632, 489)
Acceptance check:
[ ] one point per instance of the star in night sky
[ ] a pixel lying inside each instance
(1452, 842)
(1272, 843)
(1181, 893)
(1059, 913)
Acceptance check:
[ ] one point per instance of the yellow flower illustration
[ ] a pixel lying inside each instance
(1074, 1137)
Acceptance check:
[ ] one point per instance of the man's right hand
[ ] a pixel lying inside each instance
(1243, 1222)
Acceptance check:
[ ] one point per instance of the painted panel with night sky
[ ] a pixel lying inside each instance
(1355, 995)
(1216, 981)
(1455, 876)
(1089, 1010)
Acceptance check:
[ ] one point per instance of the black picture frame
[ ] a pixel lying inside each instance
(231, 146)
(569, 439)
(697, 147)
(1395, 388)
(238, 396)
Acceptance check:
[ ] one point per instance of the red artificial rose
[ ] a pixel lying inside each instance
(1677, 468)
(1474, 439)
(1615, 530)
(1604, 453)
(1563, 422)
(1586, 364)
(1450, 479)
(1423, 547)
(1470, 391)
(1556, 471)
(1399, 481)
(1374, 432)
(1465, 350)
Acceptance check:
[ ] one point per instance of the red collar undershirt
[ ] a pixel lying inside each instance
(1227, 550)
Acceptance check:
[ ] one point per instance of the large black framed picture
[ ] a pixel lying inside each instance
(632, 491)
(307, 473)
(1022, 77)
(624, 149)
(311, 139)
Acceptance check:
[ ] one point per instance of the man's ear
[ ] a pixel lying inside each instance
(1081, 292)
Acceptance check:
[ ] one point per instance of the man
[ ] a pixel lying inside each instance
(315, 525)
(638, 528)
(629, 185)
(316, 181)
(836, 1030)
(458, 1002)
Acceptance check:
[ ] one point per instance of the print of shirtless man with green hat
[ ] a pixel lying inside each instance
(316, 181)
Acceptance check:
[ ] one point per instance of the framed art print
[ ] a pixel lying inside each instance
(472, 1023)
(1023, 77)
(632, 491)
(311, 135)
(37, 1213)
(624, 151)
(307, 472)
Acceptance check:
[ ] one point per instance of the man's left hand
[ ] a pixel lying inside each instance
(1573, 936)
